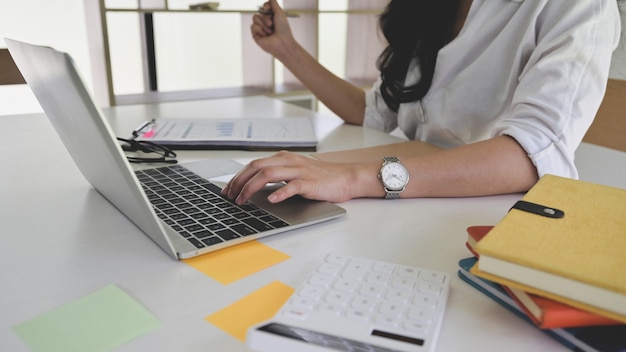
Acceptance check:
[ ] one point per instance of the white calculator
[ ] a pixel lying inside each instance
(357, 304)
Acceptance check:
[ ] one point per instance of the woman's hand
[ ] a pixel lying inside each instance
(271, 31)
(310, 178)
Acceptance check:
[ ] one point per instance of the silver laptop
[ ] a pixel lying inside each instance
(201, 222)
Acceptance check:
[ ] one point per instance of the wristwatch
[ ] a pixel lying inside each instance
(394, 177)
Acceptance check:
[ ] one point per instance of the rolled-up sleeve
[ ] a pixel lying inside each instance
(377, 114)
(563, 83)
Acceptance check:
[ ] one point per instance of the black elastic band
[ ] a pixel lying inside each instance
(538, 209)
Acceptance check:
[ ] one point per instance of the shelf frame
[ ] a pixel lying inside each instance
(363, 48)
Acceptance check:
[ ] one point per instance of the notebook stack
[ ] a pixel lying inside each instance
(557, 260)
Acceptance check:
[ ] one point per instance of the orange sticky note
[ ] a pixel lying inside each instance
(231, 264)
(256, 307)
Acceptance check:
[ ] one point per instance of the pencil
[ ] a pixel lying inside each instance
(265, 12)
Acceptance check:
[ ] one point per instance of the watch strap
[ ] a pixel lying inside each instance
(392, 194)
(390, 159)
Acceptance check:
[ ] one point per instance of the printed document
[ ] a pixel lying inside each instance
(234, 133)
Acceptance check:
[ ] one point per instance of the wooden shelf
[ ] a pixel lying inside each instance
(191, 94)
(289, 11)
(363, 46)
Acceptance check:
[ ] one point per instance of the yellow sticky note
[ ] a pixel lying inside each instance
(234, 263)
(256, 307)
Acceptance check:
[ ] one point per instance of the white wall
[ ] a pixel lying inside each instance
(198, 51)
(58, 23)
(61, 24)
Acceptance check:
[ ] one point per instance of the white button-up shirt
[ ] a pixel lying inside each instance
(535, 70)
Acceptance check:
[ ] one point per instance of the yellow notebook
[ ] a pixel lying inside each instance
(578, 259)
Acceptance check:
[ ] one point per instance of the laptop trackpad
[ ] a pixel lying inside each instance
(212, 168)
(296, 210)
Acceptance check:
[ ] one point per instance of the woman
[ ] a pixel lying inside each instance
(507, 87)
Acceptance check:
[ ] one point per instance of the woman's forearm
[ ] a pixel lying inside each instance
(343, 98)
(495, 166)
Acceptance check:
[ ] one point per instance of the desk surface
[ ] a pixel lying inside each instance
(64, 241)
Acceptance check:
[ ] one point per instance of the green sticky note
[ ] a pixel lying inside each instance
(98, 322)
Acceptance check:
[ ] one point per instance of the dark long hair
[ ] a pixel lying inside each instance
(413, 29)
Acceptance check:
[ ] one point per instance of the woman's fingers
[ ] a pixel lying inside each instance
(310, 178)
(262, 25)
(257, 170)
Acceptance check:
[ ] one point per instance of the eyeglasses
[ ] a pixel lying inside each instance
(166, 155)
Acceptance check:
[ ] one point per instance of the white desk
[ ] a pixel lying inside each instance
(62, 240)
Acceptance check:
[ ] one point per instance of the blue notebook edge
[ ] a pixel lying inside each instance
(567, 337)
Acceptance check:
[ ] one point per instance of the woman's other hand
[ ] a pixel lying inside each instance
(271, 30)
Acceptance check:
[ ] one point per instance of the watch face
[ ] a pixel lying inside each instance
(394, 176)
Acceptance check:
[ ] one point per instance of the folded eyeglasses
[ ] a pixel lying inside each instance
(139, 148)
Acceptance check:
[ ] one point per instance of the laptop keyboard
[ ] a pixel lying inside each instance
(194, 207)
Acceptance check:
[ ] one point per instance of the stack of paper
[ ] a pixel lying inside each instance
(293, 133)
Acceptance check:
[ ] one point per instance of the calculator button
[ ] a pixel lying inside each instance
(328, 268)
(303, 303)
(329, 308)
(425, 300)
(337, 259)
(430, 287)
(421, 314)
(311, 292)
(364, 302)
(337, 297)
(370, 289)
(383, 268)
(321, 280)
(403, 283)
(432, 276)
(346, 284)
(406, 271)
(386, 320)
(357, 314)
(391, 308)
(397, 295)
(378, 278)
(295, 314)
(356, 269)
(415, 327)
